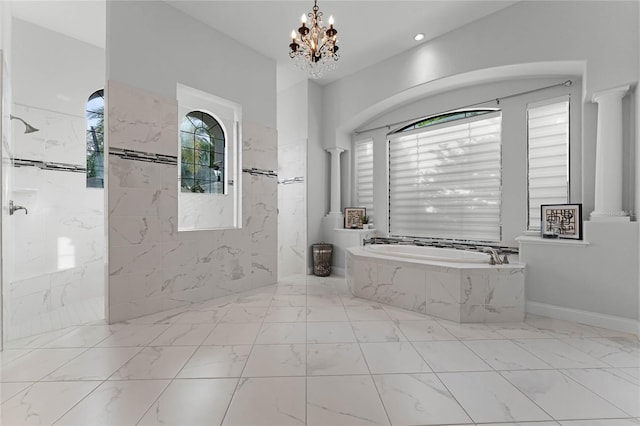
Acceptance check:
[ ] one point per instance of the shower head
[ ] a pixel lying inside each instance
(28, 127)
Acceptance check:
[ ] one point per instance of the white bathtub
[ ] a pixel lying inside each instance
(429, 253)
(447, 283)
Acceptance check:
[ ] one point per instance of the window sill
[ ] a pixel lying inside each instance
(527, 239)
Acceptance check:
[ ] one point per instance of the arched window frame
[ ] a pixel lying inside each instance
(203, 153)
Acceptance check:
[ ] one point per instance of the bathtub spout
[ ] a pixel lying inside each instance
(495, 257)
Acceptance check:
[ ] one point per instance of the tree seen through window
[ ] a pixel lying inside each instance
(202, 152)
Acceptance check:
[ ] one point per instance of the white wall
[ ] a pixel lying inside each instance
(169, 47)
(514, 141)
(318, 171)
(293, 132)
(164, 268)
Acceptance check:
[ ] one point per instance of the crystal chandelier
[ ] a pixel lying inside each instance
(314, 48)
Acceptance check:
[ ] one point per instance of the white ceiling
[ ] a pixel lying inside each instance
(368, 31)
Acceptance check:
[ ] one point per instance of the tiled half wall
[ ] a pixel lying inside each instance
(152, 266)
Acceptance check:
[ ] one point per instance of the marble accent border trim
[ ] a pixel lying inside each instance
(262, 172)
(289, 181)
(147, 157)
(46, 165)
(626, 325)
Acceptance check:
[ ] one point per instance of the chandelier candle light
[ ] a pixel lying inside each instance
(314, 49)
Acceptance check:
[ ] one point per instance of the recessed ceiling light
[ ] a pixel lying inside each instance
(418, 37)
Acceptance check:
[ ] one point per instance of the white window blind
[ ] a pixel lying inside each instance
(548, 156)
(364, 175)
(445, 180)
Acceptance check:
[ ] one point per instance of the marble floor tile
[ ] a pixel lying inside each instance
(560, 396)
(396, 357)
(8, 390)
(450, 356)
(134, 335)
(84, 337)
(200, 317)
(233, 334)
(559, 354)
(323, 300)
(37, 364)
(289, 301)
(398, 314)
(471, 331)
(563, 329)
(349, 300)
(282, 332)
(616, 352)
(519, 330)
(367, 313)
(276, 360)
(632, 374)
(505, 355)
(610, 386)
(601, 422)
(38, 340)
(335, 359)
(43, 403)
(286, 314)
(488, 397)
(164, 317)
(277, 401)
(8, 355)
(330, 332)
(290, 289)
(240, 314)
(377, 331)
(418, 399)
(420, 331)
(216, 361)
(155, 362)
(115, 403)
(326, 313)
(344, 400)
(184, 335)
(94, 364)
(191, 402)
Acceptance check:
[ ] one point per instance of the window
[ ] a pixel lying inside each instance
(445, 178)
(364, 175)
(95, 140)
(548, 156)
(202, 154)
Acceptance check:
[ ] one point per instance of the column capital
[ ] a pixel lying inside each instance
(335, 149)
(616, 92)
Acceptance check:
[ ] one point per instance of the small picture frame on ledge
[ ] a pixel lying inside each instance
(562, 221)
(353, 217)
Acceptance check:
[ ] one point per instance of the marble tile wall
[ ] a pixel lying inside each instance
(292, 217)
(152, 266)
(56, 251)
(469, 295)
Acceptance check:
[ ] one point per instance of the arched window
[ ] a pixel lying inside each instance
(95, 140)
(202, 152)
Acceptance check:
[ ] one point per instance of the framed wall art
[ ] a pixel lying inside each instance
(353, 217)
(561, 221)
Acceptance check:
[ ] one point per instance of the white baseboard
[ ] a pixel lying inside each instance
(611, 322)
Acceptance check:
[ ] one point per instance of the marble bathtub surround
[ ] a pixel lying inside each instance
(465, 293)
(153, 266)
(189, 365)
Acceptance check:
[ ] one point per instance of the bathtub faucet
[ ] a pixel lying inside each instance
(495, 257)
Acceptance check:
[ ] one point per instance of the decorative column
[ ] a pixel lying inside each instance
(335, 180)
(608, 190)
